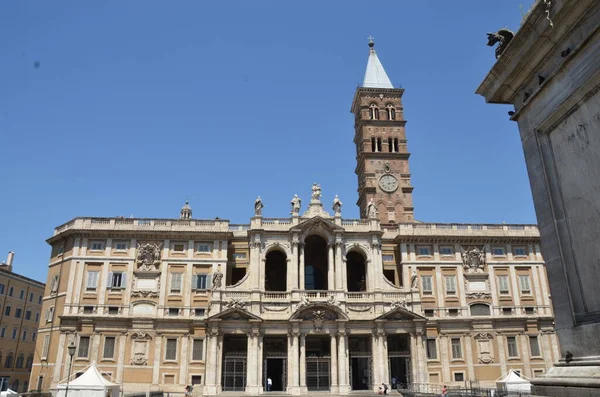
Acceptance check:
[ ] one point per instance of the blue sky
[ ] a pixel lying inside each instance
(119, 108)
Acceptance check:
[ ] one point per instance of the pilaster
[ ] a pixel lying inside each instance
(334, 364)
(330, 267)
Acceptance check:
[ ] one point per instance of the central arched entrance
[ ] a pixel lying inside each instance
(356, 272)
(276, 271)
(315, 263)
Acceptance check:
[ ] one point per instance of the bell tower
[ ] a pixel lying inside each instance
(380, 139)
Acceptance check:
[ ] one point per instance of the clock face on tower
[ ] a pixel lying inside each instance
(388, 183)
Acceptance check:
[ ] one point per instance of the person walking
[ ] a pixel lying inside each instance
(444, 391)
(269, 384)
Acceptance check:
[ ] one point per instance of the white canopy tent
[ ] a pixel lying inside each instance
(90, 384)
(8, 393)
(513, 383)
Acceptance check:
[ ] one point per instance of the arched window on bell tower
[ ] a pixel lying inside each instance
(374, 112)
(391, 112)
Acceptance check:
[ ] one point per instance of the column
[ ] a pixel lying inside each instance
(121, 364)
(259, 359)
(338, 265)
(292, 270)
(183, 362)
(469, 356)
(415, 360)
(385, 359)
(303, 361)
(301, 266)
(219, 359)
(334, 364)
(501, 354)
(445, 359)
(422, 376)
(375, 353)
(293, 363)
(251, 363)
(546, 349)
(525, 354)
(330, 272)
(342, 362)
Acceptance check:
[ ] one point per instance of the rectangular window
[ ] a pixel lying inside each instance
(88, 310)
(196, 379)
(511, 343)
(14, 333)
(24, 335)
(239, 256)
(171, 350)
(18, 312)
(459, 377)
(109, 347)
(54, 284)
(173, 311)
(388, 258)
(22, 295)
(50, 314)
(97, 246)
(40, 383)
(200, 281)
(198, 350)
(498, 251)
(431, 349)
(199, 312)
(37, 317)
(530, 311)
(424, 251)
(453, 312)
(31, 297)
(446, 251)
(84, 347)
(116, 280)
(503, 284)
(7, 311)
(33, 335)
(426, 284)
(534, 346)
(176, 283)
(202, 247)
(520, 251)
(429, 312)
(178, 247)
(456, 349)
(113, 310)
(524, 281)
(3, 331)
(11, 290)
(121, 246)
(28, 315)
(2, 289)
(507, 311)
(40, 300)
(450, 285)
(92, 280)
(45, 346)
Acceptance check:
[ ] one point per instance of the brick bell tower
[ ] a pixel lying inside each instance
(381, 153)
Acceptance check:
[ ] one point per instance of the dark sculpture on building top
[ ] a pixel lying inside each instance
(502, 36)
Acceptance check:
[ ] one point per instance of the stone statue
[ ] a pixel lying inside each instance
(473, 260)
(371, 210)
(337, 205)
(414, 280)
(296, 204)
(258, 206)
(148, 256)
(316, 192)
(502, 36)
(217, 279)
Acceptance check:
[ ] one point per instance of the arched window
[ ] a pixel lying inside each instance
(15, 385)
(373, 112)
(20, 360)
(480, 309)
(25, 386)
(29, 361)
(9, 361)
(391, 112)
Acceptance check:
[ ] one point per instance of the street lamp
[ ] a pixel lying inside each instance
(71, 349)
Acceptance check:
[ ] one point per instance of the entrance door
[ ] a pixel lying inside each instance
(234, 373)
(276, 370)
(360, 373)
(400, 369)
(317, 373)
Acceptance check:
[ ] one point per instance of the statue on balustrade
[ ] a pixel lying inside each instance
(296, 204)
(337, 205)
(316, 192)
(258, 206)
(371, 210)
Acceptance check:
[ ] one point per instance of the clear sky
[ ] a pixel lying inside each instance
(120, 108)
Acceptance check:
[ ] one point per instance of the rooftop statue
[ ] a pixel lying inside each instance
(296, 204)
(502, 36)
(316, 192)
(258, 206)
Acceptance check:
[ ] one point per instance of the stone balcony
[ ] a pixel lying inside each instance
(408, 231)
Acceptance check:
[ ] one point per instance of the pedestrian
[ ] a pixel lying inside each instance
(444, 391)
(385, 388)
(269, 384)
(394, 382)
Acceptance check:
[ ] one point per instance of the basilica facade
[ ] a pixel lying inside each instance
(304, 303)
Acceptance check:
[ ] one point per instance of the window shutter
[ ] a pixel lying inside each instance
(109, 280)
(194, 281)
(207, 282)
(124, 280)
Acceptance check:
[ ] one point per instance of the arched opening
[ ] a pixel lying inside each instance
(374, 112)
(276, 271)
(356, 272)
(20, 360)
(315, 263)
(480, 309)
(391, 112)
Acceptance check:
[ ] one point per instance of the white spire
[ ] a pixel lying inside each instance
(375, 75)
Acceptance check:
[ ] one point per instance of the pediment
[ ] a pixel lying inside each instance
(234, 314)
(317, 222)
(328, 312)
(400, 314)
